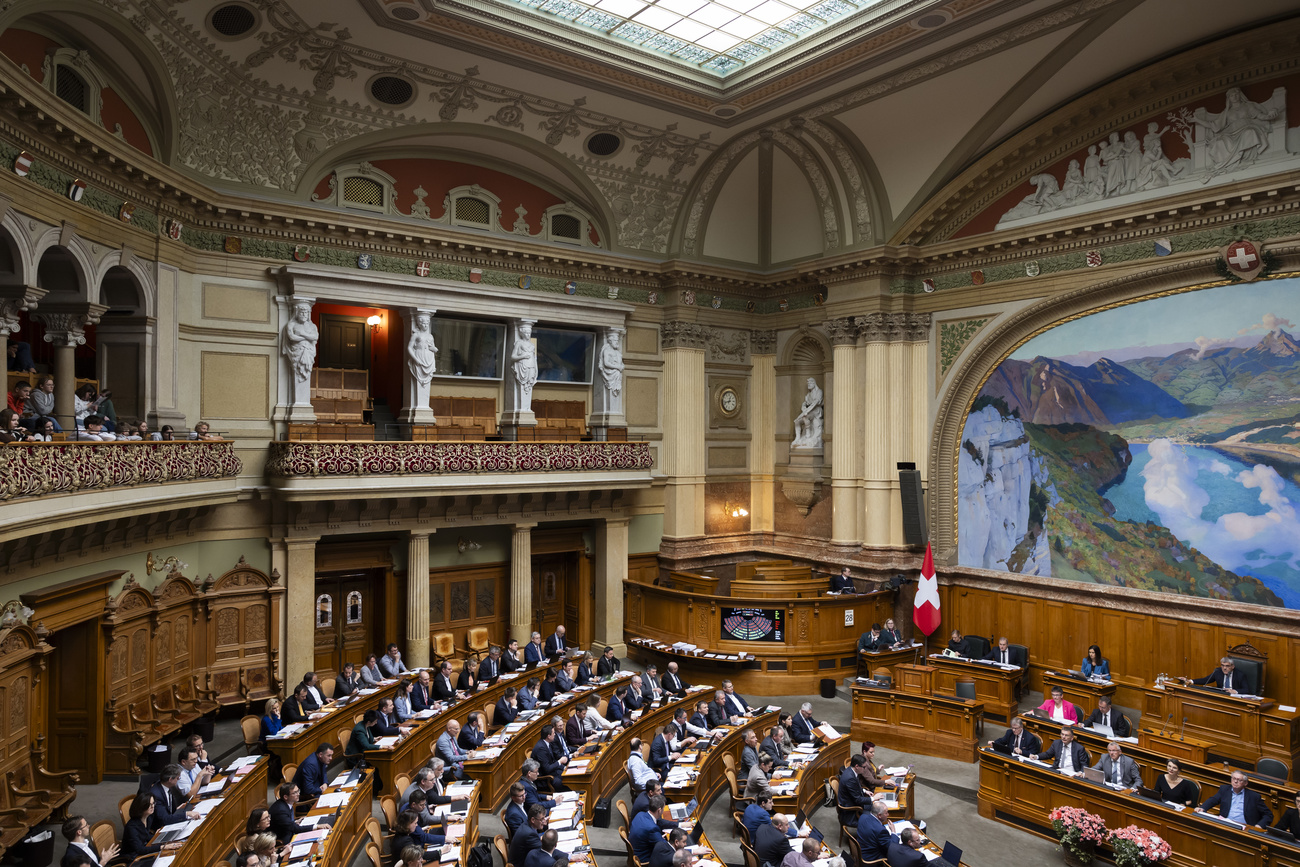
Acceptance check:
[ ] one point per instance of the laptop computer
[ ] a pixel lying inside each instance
(1280, 834)
(1093, 775)
(696, 833)
(681, 811)
(1103, 730)
(951, 855)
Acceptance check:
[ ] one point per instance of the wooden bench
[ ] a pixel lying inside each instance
(456, 433)
(339, 395)
(465, 413)
(322, 432)
(564, 416)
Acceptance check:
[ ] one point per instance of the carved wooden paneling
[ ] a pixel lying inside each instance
(243, 608)
(463, 597)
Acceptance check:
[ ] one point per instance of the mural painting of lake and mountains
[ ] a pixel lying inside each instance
(1154, 445)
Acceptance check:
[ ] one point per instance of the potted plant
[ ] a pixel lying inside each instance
(1079, 832)
(1138, 847)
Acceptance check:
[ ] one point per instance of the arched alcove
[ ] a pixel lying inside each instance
(123, 343)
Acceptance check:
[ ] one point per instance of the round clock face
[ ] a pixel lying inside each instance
(728, 400)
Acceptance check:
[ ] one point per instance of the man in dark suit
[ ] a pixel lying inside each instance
(529, 773)
(1119, 768)
(81, 849)
(650, 687)
(1005, 654)
(771, 843)
(874, 831)
(760, 813)
(662, 855)
(642, 803)
(546, 855)
(515, 813)
(510, 660)
(673, 684)
(1238, 803)
(801, 727)
(843, 582)
(168, 802)
(749, 752)
(608, 663)
(958, 644)
(575, 733)
(529, 835)
(644, 832)
(717, 715)
(550, 686)
(902, 853)
(311, 773)
(507, 708)
(282, 824)
(661, 752)
(422, 693)
(1066, 754)
(348, 682)
(736, 704)
(852, 792)
(872, 640)
(490, 668)
(387, 725)
(444, 688)
(776, 746)
(555, 644)
(471, 736)
(635, 695)
(1108, 716)
(534, 653)
(616, 708)
(1224, 677)
(527, 697)
(701, 718)
(550, 760)
(1018, 741)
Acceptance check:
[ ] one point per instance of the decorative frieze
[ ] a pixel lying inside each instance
(762, 342)
(297, 459)
(683, 335)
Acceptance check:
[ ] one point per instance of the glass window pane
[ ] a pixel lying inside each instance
(468, 349)
(563, 356)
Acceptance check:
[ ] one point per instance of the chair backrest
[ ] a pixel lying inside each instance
(400, 782)
(124, 809)
(388, 804)
(834, 783)
(965, 688)
(1196, 786)
(252, 728)
(103, 834)
(979, 646)
(444, 645)
(1250, 663)
(622, 811)
(736, 791)
(373, 853)
(476, 638)
(1273, 768)
(288, 772)
(376, 835)
(327, 687)
(357, 717)
(1019, 653)
(146, 783)
(345, 738)
(738, 825)
(855, 848)
(751, 857)
(499, 843)
(729, 761)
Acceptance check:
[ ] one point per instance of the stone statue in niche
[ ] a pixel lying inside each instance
(610, 364)
(523, 363)
(300, 337)
(809, 422)
(421, 358)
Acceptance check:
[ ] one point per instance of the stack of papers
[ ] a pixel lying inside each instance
(301, 850)
(460, 790)
(205, 807)
(332, 799)
(243, 761)
(578, 767)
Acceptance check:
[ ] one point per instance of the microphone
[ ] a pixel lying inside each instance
(1165, 727)
(1181, 728)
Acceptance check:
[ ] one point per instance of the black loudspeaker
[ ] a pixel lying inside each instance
(915, 531)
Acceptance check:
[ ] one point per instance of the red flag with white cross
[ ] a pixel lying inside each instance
(925, 609)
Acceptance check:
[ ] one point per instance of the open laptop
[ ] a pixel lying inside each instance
(1103, 730)
(951, 855)
(1093, 775)
(696, 833)
(1149, 794)
(681, 811)
(1280, 834)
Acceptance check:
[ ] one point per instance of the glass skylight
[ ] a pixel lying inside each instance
(719, 36)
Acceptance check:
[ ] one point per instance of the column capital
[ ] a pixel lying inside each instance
(678, 334)
(15, 300)
(617, 521)
(762, 342)
(65, 323)
(421, 534)
(524, 525)
(298, 543)
(843, 332)
(916, 327)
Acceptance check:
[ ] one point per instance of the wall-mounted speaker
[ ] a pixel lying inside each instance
(915, 530)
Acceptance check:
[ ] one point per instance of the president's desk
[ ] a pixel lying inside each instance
(1242, 729)
(995, 686)
(1023, 795)
(931, 725)
(818, 640)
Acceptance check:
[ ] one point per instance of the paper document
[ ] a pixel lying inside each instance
(241, 762)
(385, 743)
(205, 807)
(333, 799)
(301, 850)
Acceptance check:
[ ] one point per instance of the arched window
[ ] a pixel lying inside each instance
(360, 187)
(75, 78)
(567, 224)
(474, 207)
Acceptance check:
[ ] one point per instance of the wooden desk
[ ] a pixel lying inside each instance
(1023, 795)
(347, 834)
(869, 661)
(1084, 693)
(215, 838)
(1171, 744)
(710, 776)
(927, 724)
(810, 778)
(1241, 729)
(498, 773)
(295, 748)
(995, 687)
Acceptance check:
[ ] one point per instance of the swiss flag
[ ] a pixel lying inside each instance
(925, 610)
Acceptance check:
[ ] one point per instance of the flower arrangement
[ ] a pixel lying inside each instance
(1138, 847)
(1078, 830)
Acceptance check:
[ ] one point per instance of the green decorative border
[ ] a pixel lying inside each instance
(1205, 239)
(954, 336)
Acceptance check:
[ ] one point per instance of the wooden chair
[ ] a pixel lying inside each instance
(373, 852)
(103, 834)
(1274, 768)
(400, 782)
(252, 728)
(489, 709)
(738, 828)
(124, 809)
(847, 814)
(499, 843)
(388, 804)
(288, 772)
(376, 834)
(327, 687)
(477, 641)
(729, 762)
(444, 646)
(751, 857)
(738, 800)
(631, 858)
(345, 738)
(622, 811)
(855, 852)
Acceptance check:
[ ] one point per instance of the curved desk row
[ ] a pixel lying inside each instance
(931, 725)
(216, 835)
(795, 642)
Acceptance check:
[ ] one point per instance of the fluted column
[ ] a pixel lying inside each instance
(900, 415)
(65, 328)
(299, 606)
(762, 426)
(611, 571)
(918, 332)
(874, 394)
(685, 403)
(844, 441)
(521, 582)
(417, 600)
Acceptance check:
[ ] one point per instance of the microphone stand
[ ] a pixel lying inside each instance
(1181, 729)
(1165, 727)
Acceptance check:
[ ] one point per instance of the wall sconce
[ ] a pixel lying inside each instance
(735, 510)
(14, 613)
(374, 321)
(463, 545)
(172, 564)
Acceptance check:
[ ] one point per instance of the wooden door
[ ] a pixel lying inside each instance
(344, 342)
(554, 601)
(345, 619)
(76, 719)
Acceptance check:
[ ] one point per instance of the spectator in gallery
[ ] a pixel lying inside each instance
(167, 433)
(86, 403)
(96, 430)
(42, 400)
(202, 431)
(11, 432)
(20, 357)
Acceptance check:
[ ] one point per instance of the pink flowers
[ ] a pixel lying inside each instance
(1138, 847)
(1078, 830)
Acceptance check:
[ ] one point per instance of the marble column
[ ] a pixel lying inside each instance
(15, 301)
(415, 408)
(844, 442)
(762, 427)
(611, 572)
(521, 582)
(685, 407)
(65, 328)
(900, 433)
(417, 600)
(300, 608)
(873, 392)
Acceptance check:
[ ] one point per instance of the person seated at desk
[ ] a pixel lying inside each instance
(490, 668)
(1066, 754)
(698, 724)
(371, 673)
(507, 708)
(759, 780)
(528, 837)
(472, 735)
(662, 754)
(772, 841)
(411, 856)
(389, 726)
(1173, 788)
(1118, 768)
(312, 773)
(1094, 664)
(448, 749)
(418, 804)
(468, 680)
(903, 852)
(608, 664)
(1058, 708)
(315, 698)
(81, 849)
(1004, 653)
(1017, 740)
(362, 739)
(564, 677)
(777, 746)
(673, 684)
(872, 641)
(875, 832)
(716, 714)
(550, 756)
(804, 855)
(515, 813)
(136, 832)
(428, 781)
(736, 704)
(853, 792)
(1224, 677)
(403, 703)
(262, 846)
(1239, 804)
(550, 686)
(443, 690)
(422, 692)
(575, 728)
(642, 803)
(748, 753)
(527, 696)
(639, 774)
(959, 645)
(391, 665)
(1107, 716)
(348, 682)
(193, 777)
(510, 660)
(529, 772)
(546, 855)
(408, 832)
(651, 691)
(873, 776)
(295, 710)
(665, 849)
(760, 813)
(803, 725)
(282, 823)
(843, 582)
(891, 634)
(555, 643)
(583, 675)
(534, 653)
(617, 707)
(644, 831)
(1290, 821)
(169, 803)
